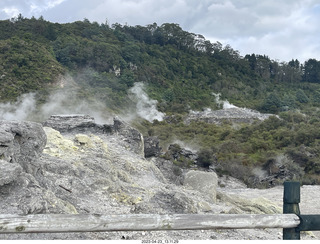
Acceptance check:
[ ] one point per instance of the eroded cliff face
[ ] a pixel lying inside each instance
(101, 169)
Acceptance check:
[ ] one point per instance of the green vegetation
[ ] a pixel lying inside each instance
(241, 149)
(25, 66)
(181, 70)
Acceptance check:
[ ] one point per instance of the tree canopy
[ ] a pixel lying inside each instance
(179, 67)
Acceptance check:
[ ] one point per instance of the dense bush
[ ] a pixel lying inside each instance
(240, 149)
(206, 158)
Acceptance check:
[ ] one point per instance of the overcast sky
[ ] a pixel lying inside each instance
(281, 29)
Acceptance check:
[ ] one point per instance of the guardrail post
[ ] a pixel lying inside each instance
(291, 200)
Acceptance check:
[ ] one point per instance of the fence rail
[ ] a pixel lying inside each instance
(49, 223)
(291, 221)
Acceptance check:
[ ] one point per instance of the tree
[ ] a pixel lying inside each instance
(288, 102)
(263, 66)
(50, 33)
(20, 17)
(252, 61)
(316, 97)
(205, 158)
(312, 71)
(291, 72)
(302, 97)
(271, 104)
(294, 64)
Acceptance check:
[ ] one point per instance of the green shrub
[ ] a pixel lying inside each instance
(206, 158)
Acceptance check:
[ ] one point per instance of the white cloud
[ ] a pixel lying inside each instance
(11, 8)
(280, 29)
(137, 12)
(11, 11)
(53, 3)
(37, 7)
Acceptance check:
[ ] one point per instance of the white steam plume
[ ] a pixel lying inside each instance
(60, 102)
(19, 110)
(67, 102)
(145, 107)
(225, 104)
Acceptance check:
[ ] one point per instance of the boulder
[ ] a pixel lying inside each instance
(9, 172)
(204, 182)
(21, 142)
(151, 147)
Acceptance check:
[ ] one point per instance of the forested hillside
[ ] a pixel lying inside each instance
(181, 70)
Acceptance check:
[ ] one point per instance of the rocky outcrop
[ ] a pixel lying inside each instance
(21, 146)
(69, 122)
(75, 122)
(130, 135)
(181, 156)
(21, 142)
(278, 170)
(78, 123)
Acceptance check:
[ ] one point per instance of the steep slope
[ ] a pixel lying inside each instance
(26, 66)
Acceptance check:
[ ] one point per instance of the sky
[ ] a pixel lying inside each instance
(281, 29)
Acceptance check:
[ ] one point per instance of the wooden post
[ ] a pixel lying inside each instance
(291, 200)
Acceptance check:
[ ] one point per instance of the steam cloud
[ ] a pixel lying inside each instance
(60, 102)
(146, 107)
(67, 101)
(19, 110)
(224, 104)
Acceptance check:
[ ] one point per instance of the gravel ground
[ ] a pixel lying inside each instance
(310, 198)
